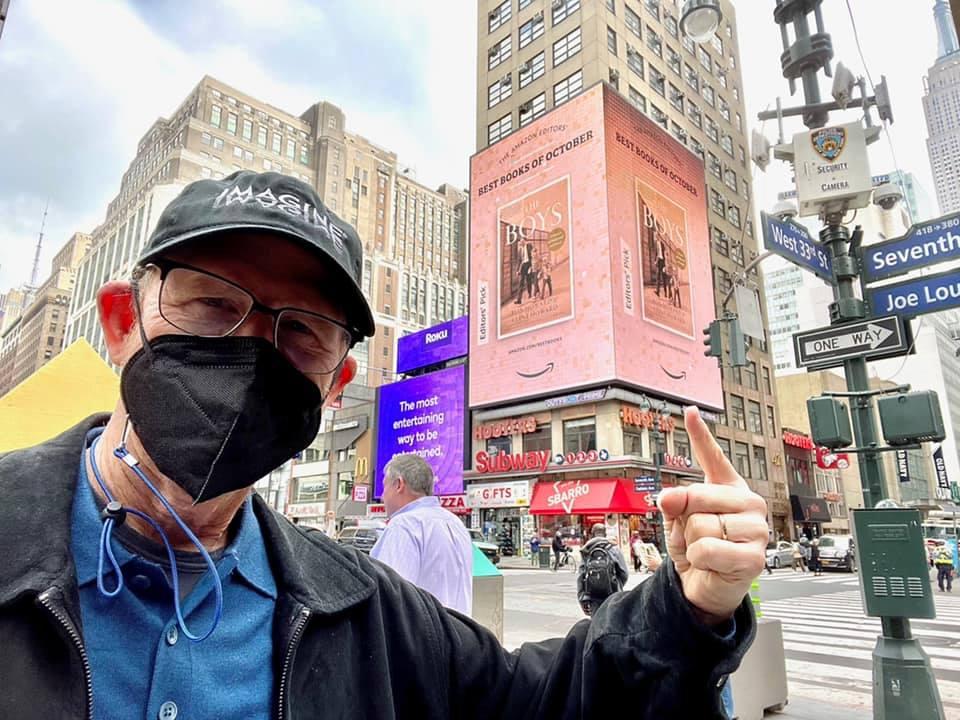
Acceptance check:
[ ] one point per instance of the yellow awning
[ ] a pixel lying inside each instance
(73, 385)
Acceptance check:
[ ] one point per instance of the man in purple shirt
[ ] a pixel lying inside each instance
(424, 543)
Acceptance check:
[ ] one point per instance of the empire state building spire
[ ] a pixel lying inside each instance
(946, 34)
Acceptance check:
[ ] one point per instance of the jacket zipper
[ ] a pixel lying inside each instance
(67, 624)
(301, 621)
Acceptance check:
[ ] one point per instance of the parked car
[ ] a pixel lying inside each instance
(362, 538)
(837, 551)
(780, 554)
(491, 550)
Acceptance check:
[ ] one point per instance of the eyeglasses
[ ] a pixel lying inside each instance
(206, 305)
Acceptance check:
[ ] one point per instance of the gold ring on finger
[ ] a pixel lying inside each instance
(723, 526)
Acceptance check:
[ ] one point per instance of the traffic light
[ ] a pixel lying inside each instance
(738, 345)
(713, 340)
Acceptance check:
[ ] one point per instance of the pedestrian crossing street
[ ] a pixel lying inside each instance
(829, 643)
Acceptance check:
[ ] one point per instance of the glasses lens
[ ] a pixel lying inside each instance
(201, 304)
(312, 343)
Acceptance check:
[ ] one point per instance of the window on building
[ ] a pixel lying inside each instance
(532, 109)
(262, 136)
(523, 3)
(531, 30)
(499, 15)
(499, 128)
(717, 44)
(532, 69)
(724, 109)
(499, 52)
(658, 115)
(771, 425)
(730, 180)
(733, 215)
(693, 112)
(499, 90)
(678, 132)
(708, 94)
(713, 132)
(247, 156)
(704, 57)
(725, 448)
(539, 440)
(247, 132)
(670, 22)
(215, 112)
(760, 463)
(654, 42)
(291, 149)
(714, 166)
(673, 61)
(562, 9)
(766, 380)
(567, 88)
(277, 141)
(611, 40)
(635, 61)
(638, 100)
(741, 459)
(721, 243)
(632, 441)
(727, 144)
(632, 20)
(737, 417)
(580, 435)
(612, 6)
(657, 81)
(653, 7)
(716, 203)
(232, 123)
(736, 254)
(205, 138)
(697, 148)
(304, 154)
(566, 47)
(681, 443)
(691, 77)
(754, 417)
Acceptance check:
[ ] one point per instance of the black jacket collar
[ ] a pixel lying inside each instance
(36, 497)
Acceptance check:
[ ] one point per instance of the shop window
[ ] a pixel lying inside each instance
(499, 445)
(632, 442)
(580, 435)
(539, 440)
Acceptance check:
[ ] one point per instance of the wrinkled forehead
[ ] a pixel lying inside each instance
(277, 271)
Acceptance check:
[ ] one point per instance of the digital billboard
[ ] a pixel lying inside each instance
(424, 415)
(436, 344)
(590, 258)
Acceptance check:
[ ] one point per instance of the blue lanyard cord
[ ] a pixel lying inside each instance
(106, 549)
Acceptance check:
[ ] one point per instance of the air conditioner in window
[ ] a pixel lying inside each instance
(538, 17)
(631, 51)
(614, 75)
(494, 14)
(527, 106)
(493, 51)
(505, 80)
(526, 67)
(558, 4)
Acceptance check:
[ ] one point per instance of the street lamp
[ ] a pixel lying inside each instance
(699, 19)
(655, 452)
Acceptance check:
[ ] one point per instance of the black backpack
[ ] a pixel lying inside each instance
(597, 579)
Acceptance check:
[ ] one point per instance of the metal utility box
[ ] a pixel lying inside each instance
(829, 422)
(911, 418)
(832, 170)
(894, 575)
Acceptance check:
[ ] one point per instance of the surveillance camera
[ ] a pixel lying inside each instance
(843, 84)
(887, 196)
(784, 210)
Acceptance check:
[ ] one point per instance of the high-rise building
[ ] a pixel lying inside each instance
(37, 334)
(4, 7)
(941, 106)
(534, 55)
(414, 237)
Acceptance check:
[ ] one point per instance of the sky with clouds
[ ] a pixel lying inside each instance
(81, 82)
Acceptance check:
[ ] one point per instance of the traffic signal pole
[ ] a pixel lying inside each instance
(845, 253)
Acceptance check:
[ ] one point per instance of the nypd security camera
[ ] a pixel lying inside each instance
(784, 210)
(843, 84)
(887, 195)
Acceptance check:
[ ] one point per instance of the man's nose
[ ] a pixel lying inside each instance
(256, 324)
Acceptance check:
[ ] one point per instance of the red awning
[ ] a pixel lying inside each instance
(589, 497)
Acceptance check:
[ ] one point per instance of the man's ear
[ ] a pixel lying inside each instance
(118, 319)
(348, 371)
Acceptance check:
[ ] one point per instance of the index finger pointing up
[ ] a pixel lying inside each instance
(716, 467)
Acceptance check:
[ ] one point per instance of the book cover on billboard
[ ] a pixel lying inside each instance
(534, 260)
(666, 292)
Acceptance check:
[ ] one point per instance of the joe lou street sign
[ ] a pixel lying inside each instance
(927, 294)
(871, 339)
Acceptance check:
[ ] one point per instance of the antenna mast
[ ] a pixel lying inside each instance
(35, 273)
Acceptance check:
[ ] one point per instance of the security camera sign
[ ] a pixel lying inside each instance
(832, 171)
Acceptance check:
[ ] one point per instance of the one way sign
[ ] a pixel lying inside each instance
(873, 339)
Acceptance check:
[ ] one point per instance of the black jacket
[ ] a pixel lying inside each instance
(353, 640)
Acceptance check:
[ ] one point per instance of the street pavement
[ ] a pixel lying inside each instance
(827, 639)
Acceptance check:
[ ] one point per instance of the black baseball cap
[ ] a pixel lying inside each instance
(273, 204)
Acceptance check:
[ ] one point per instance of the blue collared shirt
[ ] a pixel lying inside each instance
(431, 548)
(141, 664)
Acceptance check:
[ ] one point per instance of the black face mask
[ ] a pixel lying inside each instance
(217, 414)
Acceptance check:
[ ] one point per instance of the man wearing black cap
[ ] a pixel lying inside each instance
(141, 578)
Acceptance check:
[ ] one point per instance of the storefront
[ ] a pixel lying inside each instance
(809, 510)
(499, 510)
(572, 507)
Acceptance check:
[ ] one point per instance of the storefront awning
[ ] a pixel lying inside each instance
(589, 497)
(809, 509)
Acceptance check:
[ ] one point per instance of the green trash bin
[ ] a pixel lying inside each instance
(545, 558)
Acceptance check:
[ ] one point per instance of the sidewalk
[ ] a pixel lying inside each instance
(801, 708)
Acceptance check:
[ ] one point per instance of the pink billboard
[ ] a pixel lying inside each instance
(590, 259)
